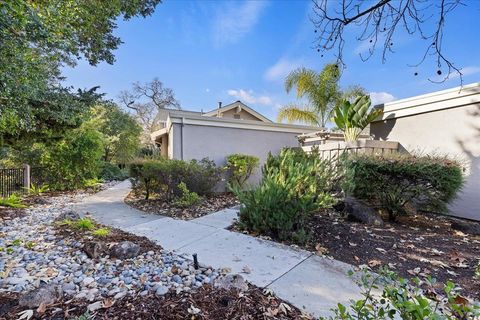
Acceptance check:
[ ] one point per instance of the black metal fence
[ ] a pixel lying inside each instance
(12, 181)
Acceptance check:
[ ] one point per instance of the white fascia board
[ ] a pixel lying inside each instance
(445, 99)
(243, 124)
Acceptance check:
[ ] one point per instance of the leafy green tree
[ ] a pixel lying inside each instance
(121, 133)
(37, 38)
(321, 91)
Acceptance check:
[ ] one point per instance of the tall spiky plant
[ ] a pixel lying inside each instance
(321, 91)
(353, 117)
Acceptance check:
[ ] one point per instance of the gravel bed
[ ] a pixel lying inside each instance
(32, 255)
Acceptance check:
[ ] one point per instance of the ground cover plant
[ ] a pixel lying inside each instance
(416, 299)
(240, 167)
(392, 182)
(12, 201)
(294, 185)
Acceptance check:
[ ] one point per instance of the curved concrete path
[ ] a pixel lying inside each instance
(312, 283)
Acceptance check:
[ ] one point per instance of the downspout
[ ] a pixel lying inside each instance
(181, 138)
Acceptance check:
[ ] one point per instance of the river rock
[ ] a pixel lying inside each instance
(46, 294)
(125, 250)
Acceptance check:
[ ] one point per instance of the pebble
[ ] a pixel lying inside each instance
(53, 259)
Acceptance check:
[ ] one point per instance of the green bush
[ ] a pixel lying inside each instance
(391, 182)
(74, 159)
(241, 167)
(294, 185)
(418, 299)
(84, 224)
(163, 176)
(111, 171)
(188, 198)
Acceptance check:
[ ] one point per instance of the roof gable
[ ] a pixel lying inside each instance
(242, 107)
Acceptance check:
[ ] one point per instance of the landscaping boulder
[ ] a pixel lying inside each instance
(95, 249)
(357, 211)
(70, 215)
(231, 281)
(46, 294)
(465, 226)
(125, 250)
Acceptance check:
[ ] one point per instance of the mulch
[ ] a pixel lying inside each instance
(208, 205)
(416, 245)
(204, 303)
(114, 236)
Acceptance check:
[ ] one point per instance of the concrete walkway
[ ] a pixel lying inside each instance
(312, 283)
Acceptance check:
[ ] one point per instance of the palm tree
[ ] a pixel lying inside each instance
(322, 92)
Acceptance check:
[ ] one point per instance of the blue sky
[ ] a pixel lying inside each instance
(210, 51)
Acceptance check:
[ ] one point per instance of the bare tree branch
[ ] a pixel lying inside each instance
(149, 102)
(379, 22)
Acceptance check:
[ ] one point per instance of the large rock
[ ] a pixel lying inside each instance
(70, 215)
(125, 250)
(46, 294)
(465, 226)
(357, 211)
(231, 281)
(95, 249)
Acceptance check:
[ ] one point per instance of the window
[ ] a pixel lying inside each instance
(236, 116)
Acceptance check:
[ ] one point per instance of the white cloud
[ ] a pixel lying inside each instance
(249, 97)
(380, 97)
(235, 21)
(281, 69)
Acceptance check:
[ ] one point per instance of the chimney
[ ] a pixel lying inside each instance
(219, 104)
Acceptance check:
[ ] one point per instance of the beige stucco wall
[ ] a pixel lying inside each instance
(453, 131)
(218, 142)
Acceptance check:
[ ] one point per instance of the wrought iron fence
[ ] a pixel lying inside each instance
(12, 181)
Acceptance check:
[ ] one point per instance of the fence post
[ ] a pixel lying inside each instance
(26, 176)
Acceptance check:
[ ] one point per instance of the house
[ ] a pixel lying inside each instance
(445, 122)
(233, 128)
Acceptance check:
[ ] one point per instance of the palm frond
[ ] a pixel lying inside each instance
(305, 80)
(294, 113)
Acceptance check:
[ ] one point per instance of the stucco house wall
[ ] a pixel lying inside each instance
(445, 122)
(217, 143)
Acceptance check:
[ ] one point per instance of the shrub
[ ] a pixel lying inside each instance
(202, 176)
(164, 176)
(293, 187)
(13, 201)
(84, 224)
(393, 181)
(188, 198)
(403, 299)
(241, 167)
(110, 171)
(74, 159)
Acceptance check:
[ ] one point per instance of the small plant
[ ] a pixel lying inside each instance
(13, 201)
(352, 118)
(94, 183)
(391, 182)
(102, 232)
(85, 316)
(29, 245)
(66, 223)
(16, 242)
(37, 190)
(188, 198)
(403, 299)
(241, 167)
(84, 224)
(477, 270)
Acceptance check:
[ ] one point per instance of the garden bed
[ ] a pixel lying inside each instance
(206, 302)
(416, 245)
(209, 204)
(44, 247)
